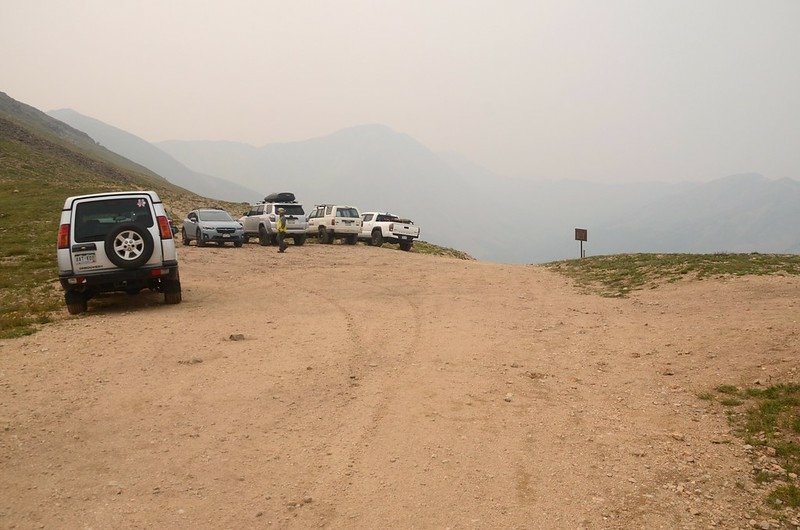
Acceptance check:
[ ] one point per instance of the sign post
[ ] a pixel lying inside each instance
(581, 234)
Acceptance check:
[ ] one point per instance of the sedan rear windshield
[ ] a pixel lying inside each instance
(95, 219)
(346, 212)
(214, 215)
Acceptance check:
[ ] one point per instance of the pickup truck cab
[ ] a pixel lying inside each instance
(260, 220)
(378, 227)
(333, 221)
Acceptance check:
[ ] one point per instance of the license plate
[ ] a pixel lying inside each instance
(226, 235)
(291, 222)
(348, 222)
(84, 258)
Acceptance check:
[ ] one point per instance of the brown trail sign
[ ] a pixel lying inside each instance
(581, 234)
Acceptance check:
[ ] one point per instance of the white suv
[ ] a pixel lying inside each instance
(260, 221)
(118, 241)
(331, 221)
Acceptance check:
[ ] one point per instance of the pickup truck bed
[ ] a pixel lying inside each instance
(378, 228)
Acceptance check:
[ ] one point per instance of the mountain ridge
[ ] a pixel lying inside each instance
(142, 152)
(462, 205)
(58, 132)
(536, 218)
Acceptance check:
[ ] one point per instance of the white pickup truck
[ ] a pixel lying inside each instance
(377, 227)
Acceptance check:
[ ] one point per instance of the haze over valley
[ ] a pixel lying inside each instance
(499, 128)
(463, 205)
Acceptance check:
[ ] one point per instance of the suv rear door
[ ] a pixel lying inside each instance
(347, 220)
(295, 216)
(95, 219)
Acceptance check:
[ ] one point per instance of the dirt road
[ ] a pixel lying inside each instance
(376, 388)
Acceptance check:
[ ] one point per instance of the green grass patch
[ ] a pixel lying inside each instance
(762, 477)
(785, 496)
(730, 402)
(618, 275)
(423, 247)
(770, 424)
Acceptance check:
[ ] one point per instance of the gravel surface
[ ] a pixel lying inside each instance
(339, 386)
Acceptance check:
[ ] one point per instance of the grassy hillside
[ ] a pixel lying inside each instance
(39, 124)
(39, 168)
(618, 275)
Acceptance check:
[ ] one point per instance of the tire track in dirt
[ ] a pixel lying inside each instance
(365, 394)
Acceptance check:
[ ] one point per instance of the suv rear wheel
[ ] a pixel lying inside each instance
(199, 236)
(351, 239)
(78, 308)
(172, 290)
(184, 237)
(263, 236)
(77, 302)
(324, 238)
(299, 240)
(129, 246)
(172, 298)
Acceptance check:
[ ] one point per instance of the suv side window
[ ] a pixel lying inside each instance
(328, 210)
(253, 211)
(268, 208)
(367, 217)
(193, 217)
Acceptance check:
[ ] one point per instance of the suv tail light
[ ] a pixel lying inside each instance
(63, 236)
(272, 218)
(333, 222)
(164, 228)
(391, 227)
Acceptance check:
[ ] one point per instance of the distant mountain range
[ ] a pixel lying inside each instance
(460, 204)
(492, 217)
(142, 152)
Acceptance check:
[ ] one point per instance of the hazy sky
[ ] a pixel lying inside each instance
(603, 90)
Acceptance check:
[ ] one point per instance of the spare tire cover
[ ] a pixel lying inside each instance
(129, 246)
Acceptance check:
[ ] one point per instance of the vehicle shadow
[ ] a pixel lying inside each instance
(117, 303)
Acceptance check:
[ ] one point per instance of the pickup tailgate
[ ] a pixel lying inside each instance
(399, 228)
